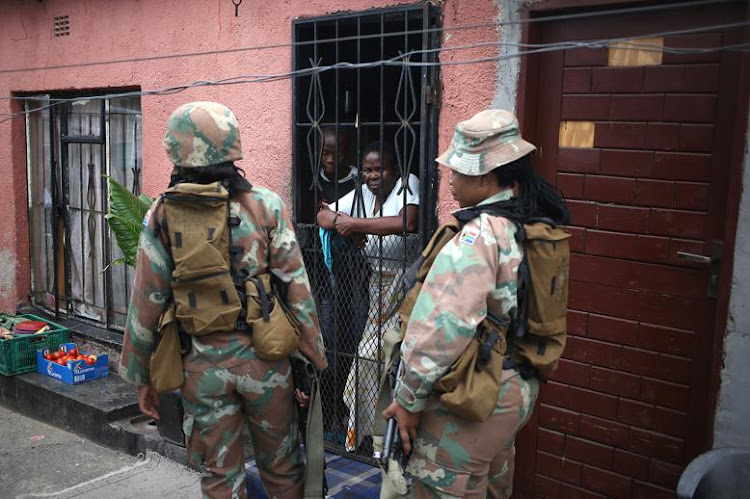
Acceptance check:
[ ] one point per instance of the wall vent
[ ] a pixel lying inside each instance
(61, 26)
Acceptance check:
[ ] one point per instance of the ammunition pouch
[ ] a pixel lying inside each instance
(275, 330)
(470, 387)
(165, 366)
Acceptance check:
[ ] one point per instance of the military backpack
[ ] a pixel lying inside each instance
(536, 337)
(205, 296)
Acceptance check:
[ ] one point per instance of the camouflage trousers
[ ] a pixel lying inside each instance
(453, 457)
(218, 401)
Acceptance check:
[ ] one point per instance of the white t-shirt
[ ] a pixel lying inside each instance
(393, 245)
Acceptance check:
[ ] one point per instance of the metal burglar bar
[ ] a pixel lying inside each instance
(71, 147)
(82, 138)
(338, 115)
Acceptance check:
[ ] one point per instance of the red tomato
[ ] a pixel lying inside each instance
(73, 352)
(90, 362)
(93, 358)
(48, 356)
(60, 361)
(79, 357)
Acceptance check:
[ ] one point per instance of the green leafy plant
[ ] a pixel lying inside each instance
(125, 218)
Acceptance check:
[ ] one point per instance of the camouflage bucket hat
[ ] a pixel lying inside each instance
(485, 141)
(202, 134)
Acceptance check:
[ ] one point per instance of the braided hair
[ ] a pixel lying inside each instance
(231, 176)
(536, 198)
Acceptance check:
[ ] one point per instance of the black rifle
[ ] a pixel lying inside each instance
(392, 447)
(303, 374)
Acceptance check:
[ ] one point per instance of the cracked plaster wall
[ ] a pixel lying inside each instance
(733, 407)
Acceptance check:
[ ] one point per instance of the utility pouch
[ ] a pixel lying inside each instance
(165, 369)
(543, 297)
(470, 387)
(204, 294)
(275, 330)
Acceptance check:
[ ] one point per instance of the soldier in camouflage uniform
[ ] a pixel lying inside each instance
(474, 273)
(226, 383)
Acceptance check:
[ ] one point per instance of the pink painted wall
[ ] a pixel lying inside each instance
(121, 29)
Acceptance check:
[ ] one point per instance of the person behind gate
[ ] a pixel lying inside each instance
(474, 276)
(341, 290)
(381, 210)
(226, 382)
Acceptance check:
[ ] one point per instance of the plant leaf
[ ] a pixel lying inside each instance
(146, 199)
(125, 217)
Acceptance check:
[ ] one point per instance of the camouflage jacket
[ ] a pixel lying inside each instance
(475, 272)
(267, 236)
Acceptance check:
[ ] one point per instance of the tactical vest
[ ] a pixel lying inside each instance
(536, 338)
(205, 296)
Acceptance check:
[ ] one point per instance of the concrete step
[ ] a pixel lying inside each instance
(104, 410)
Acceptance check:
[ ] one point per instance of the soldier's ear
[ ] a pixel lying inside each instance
(487, 179)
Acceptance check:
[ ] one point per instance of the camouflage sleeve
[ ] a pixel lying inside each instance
(286, 262)
(150, 295)
(452, 302)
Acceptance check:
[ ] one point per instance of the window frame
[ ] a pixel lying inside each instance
(428, 108)
(58, 139)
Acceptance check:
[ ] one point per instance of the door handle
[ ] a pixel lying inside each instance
(714, 261)
(692, 257)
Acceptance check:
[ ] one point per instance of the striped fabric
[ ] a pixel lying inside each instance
(347, 478)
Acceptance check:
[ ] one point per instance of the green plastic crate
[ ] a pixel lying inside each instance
(18, 355)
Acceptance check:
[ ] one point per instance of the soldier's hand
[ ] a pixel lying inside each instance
(407, 423)
(148, 399)
(302, 399)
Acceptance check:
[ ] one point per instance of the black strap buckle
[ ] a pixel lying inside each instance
(485, 349)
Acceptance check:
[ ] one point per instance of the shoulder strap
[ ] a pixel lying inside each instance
(417, 271)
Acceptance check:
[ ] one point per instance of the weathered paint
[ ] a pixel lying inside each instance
(733, 407)
(115, 30)
(508, 71)
(7, 271)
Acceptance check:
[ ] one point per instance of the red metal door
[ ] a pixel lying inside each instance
(638, 143)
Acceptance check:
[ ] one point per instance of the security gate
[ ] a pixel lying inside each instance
(73, 144)
(365, 91)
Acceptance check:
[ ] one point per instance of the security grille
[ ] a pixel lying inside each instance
(358, 285)
(72, 145)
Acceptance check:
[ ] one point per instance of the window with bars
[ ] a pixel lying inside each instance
(356, 121)
(71, 146)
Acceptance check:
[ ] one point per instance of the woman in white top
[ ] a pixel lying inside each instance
(382, 208)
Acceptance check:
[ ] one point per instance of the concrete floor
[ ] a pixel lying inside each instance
(41, 461)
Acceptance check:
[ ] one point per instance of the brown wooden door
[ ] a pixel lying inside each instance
(640, 150)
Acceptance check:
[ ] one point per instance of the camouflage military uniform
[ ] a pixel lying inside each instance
(453, 457)
(474, 273)
(226, 384)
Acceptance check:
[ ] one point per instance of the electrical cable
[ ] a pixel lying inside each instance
(561, 17)
(404, 60)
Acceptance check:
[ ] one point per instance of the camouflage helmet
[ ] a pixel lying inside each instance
(201, 134)
(486, 141)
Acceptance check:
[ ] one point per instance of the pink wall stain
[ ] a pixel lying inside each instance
(111, 30)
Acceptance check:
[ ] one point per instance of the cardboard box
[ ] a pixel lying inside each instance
(75, 371)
